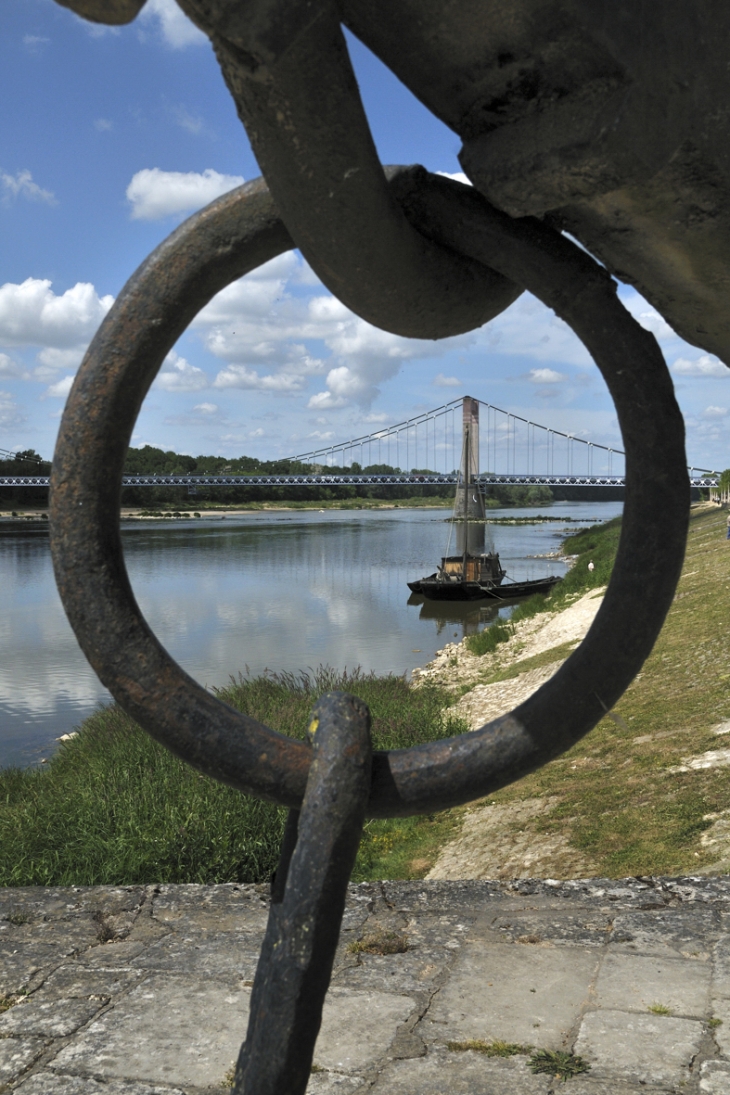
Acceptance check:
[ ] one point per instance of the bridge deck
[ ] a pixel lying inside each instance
(323, 480)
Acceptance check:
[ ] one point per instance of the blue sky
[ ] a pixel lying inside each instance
(110, 137)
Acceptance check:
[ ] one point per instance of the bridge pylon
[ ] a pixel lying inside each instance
(469, 505)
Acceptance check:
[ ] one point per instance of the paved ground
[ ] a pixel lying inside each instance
(144, 991)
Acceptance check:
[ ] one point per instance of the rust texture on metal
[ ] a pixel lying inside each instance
(567, 121)
(308, 900)
(227, 239)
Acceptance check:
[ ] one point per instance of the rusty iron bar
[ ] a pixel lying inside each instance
(307, 902)
(221, 243)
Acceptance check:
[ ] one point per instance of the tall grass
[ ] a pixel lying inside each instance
(114, 807)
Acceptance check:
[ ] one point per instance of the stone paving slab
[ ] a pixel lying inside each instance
(145, 990)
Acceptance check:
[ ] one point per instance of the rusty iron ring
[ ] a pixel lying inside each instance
(289, 71)
(229, 238)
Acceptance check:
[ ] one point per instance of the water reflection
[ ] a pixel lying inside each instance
(278, 591)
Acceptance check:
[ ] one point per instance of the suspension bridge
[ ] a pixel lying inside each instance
(425, 450)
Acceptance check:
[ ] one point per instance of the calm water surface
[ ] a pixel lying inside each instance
(278, 591)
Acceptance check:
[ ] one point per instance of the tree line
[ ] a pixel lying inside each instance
(149, 460)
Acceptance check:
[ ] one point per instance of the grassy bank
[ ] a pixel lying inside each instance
(114, 807)
(619, 797)
(597, 545)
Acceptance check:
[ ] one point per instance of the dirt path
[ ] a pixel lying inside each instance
(498, 841)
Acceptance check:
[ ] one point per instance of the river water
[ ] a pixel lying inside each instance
(272, 590)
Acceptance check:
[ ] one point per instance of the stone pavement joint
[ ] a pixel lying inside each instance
(133, 990)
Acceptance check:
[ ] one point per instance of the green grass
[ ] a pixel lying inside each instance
(487, 641)
(489, 1049)
(619, 798)
(558, 1063)
(597, 544)
(114, 807)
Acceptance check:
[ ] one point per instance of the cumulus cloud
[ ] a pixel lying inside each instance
(240, 376)
(706, 365)
(9, 411)
(545, 376)
(715, 412)
(176, 30)
(103, 125)
(61, 388)
(442, 381)
(10, 368)
(32, 314)
(21, 185)
(154, 194)
(206, 408)
(52, 360)
(178, 375)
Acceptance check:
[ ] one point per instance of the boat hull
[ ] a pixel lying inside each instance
(435, 589)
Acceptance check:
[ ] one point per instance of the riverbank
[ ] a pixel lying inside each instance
(646, 792)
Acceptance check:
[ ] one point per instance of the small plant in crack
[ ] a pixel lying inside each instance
(714, 1023)
(380, 942)
(558, 1063)
(18, 918)
(106, 932)
(659, 1009)
(497, 1048)
(6, 1002)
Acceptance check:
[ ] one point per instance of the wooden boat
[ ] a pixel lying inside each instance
(437, 587)
(473, 573)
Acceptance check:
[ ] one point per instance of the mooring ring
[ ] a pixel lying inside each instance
(228, 239)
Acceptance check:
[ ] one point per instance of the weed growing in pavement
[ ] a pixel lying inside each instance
(558, 1063)
(382, 942)
(489, 1049)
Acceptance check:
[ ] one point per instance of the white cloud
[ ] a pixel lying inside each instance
(178, 375)
(240, 376)
(715, 412)
(176, 29)
(61, 388)
(190, 122)
(9, 411)
(545, 376)
(32, 314)
(52, 360)
(103, 125)
(10, 368)
(528, 329)
(442, 381)
(21, 185)
(155, 194)
(206, 408)
(34, 42)
(706, 365)
(457, 176)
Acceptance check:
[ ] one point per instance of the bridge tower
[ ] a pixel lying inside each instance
(469, 499)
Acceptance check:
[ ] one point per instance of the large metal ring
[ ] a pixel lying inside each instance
(229, 238)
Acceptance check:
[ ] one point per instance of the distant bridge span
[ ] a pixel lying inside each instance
(322, 480)
(517, 451)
